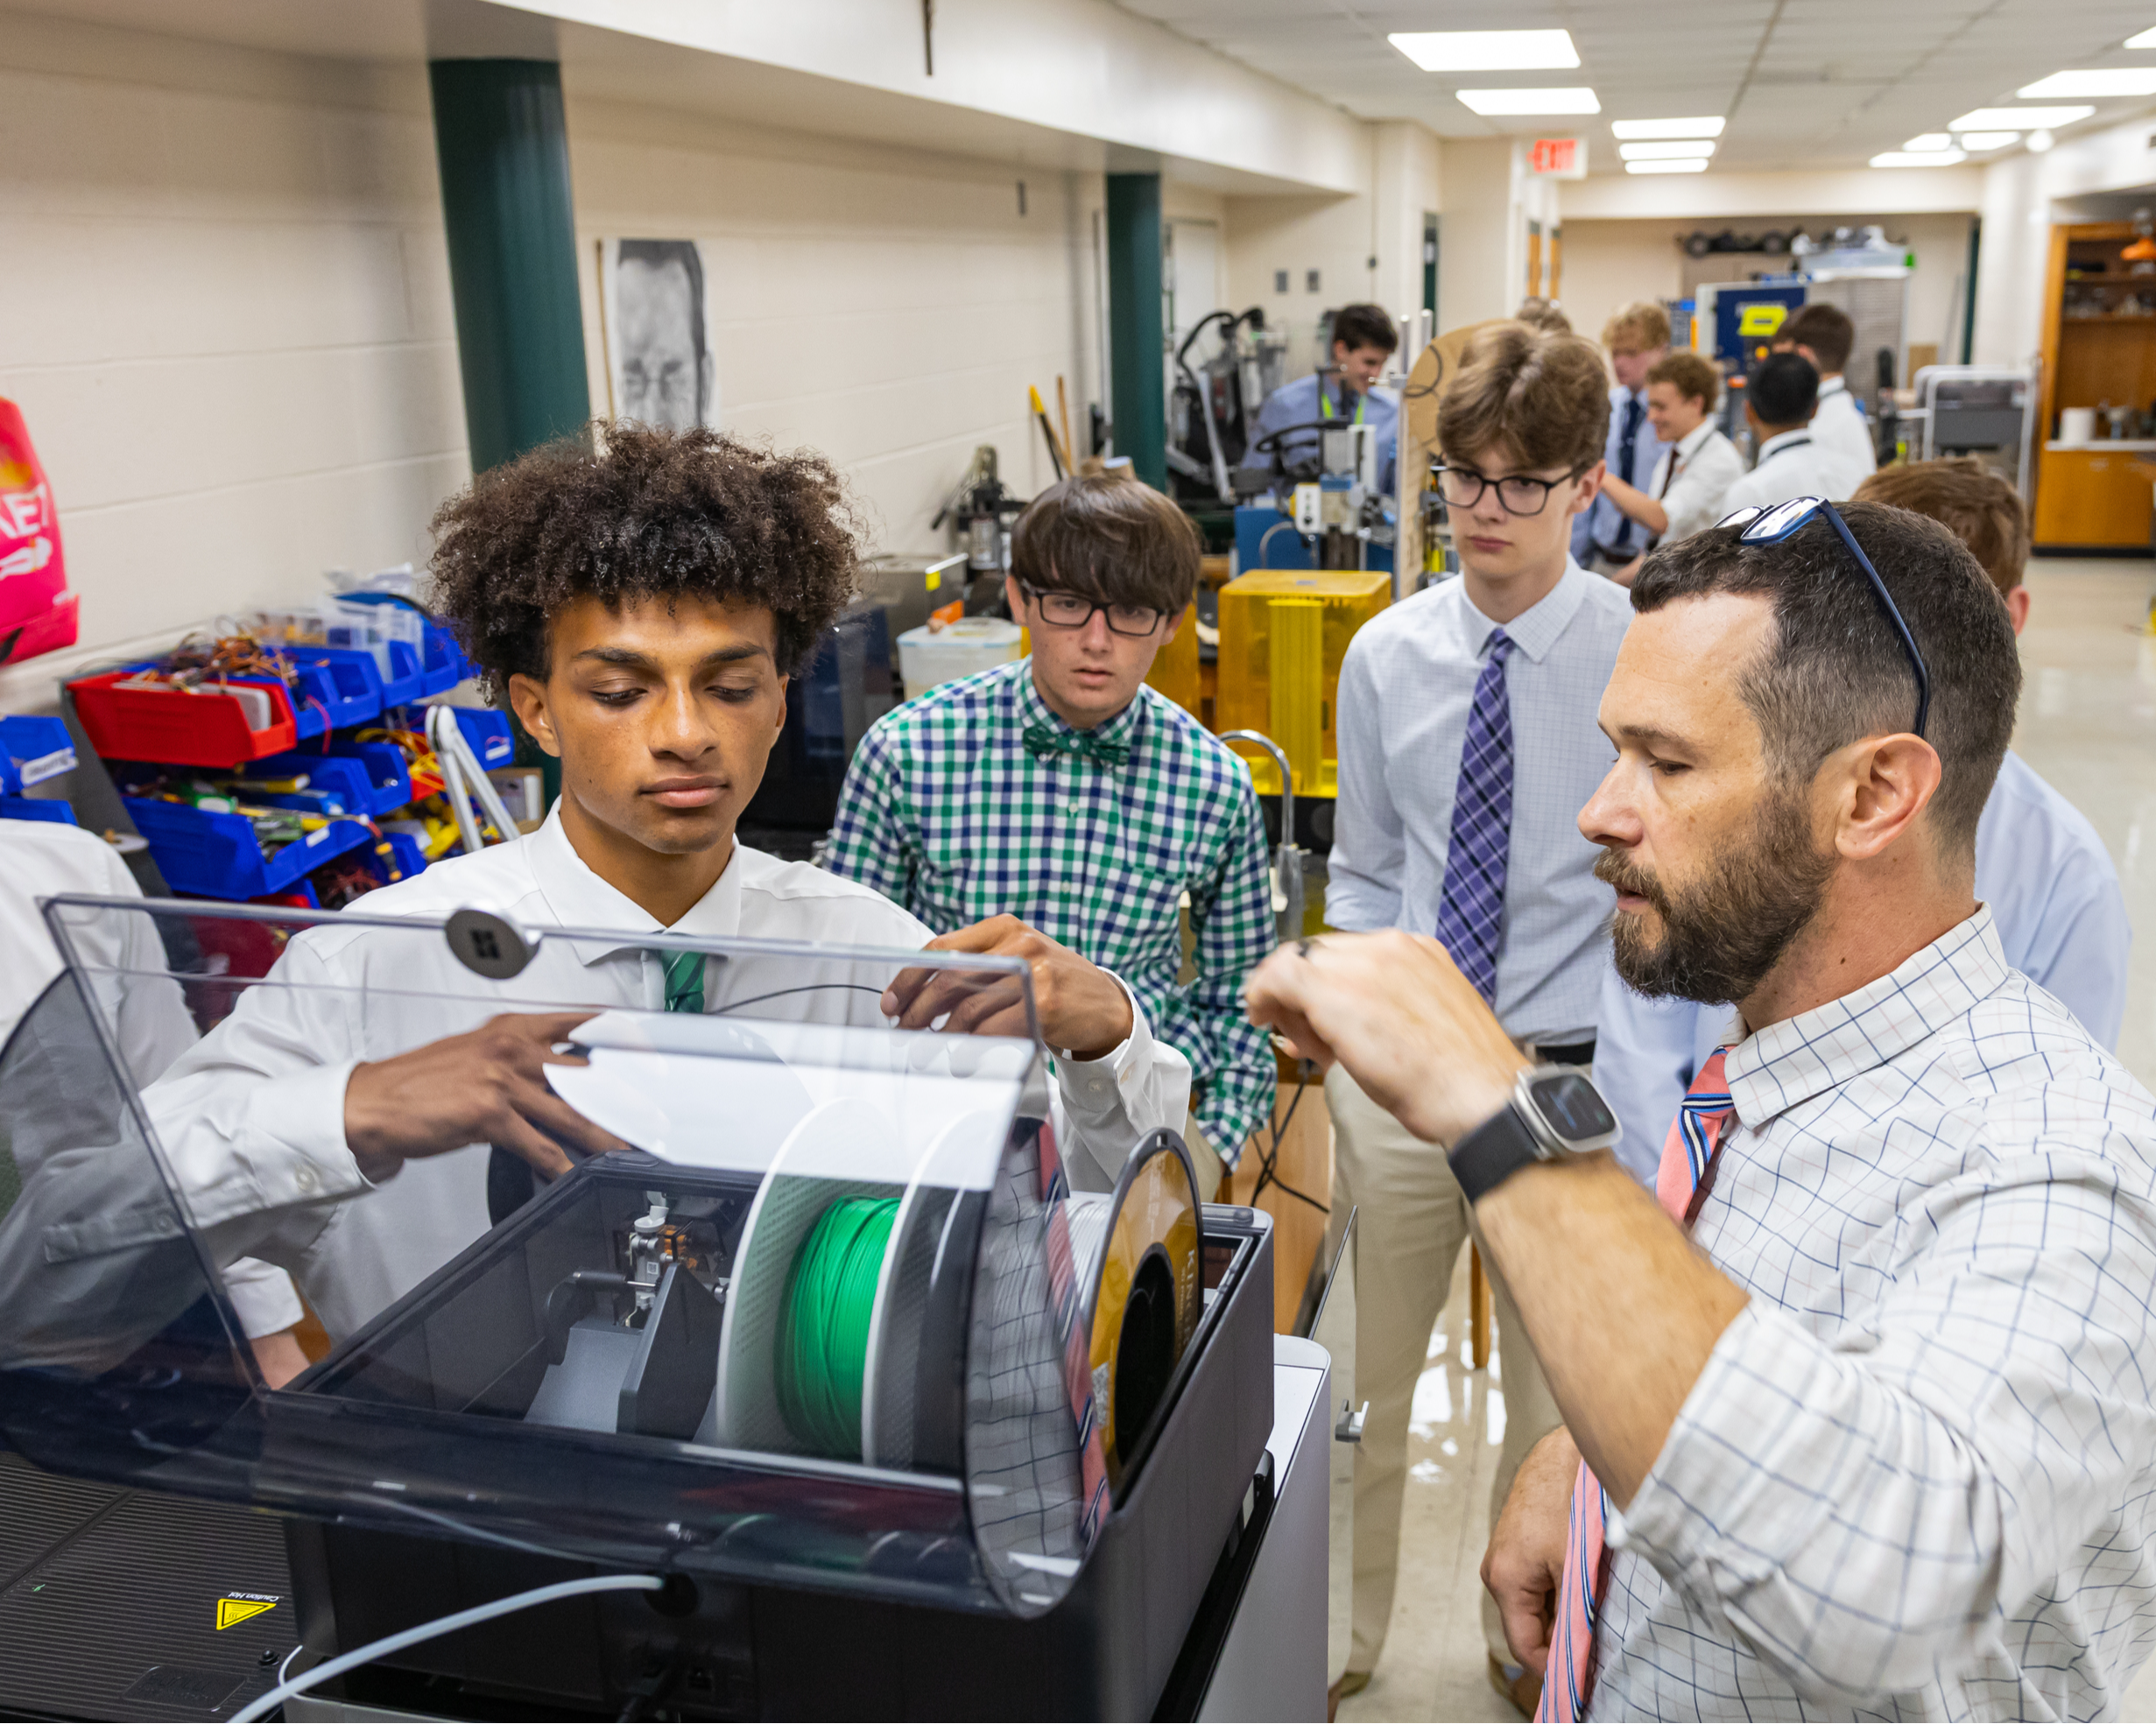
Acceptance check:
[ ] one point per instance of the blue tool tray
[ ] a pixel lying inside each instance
(370, 776)
(218, 856)
(36, 808)
(32, 750)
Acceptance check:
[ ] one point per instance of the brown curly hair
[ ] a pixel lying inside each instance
(629, 511)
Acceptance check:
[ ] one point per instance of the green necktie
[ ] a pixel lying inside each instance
(685, 980)
(1043, 740)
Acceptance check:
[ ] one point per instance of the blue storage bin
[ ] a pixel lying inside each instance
(32, 750)
(338, 687)
(36, 808)
(344, 779)
(445, 662)
(410, 856)
(369, 776)
(217, 855)
(489, 732)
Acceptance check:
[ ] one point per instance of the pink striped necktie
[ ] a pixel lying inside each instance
(1570, 1677)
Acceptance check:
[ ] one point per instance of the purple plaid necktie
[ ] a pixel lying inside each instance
(1470, 916)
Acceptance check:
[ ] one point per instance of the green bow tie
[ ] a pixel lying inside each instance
(1043, 740)
(684, 979)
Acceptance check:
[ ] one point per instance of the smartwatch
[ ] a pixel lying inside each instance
(1555, 1113)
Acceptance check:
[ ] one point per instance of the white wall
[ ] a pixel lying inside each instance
(1482, 250)
(1609, 263)
(886, 308)
(225, 311)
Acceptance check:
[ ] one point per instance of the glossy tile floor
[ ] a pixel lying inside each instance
(2088, 723)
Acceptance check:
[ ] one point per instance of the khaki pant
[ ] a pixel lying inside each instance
(1411, 1225)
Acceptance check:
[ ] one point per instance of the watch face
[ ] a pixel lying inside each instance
(1572, 1107)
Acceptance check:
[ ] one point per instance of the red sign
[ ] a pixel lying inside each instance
(1559, 158)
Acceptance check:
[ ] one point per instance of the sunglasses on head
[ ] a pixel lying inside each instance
(1771, 526)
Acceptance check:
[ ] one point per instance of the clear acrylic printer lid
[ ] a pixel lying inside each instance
(813, 1323)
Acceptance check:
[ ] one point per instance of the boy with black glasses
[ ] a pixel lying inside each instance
(1061, 791)
(1468, 741)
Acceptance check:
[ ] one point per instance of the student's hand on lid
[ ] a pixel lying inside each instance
(488, 1086)
(1083, 1009)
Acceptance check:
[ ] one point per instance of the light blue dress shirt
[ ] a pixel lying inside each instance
(1601, 524)
(2062, 922)
(1405, 688)
(1314, 398)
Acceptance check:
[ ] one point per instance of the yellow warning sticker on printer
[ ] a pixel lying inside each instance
(235, 1608)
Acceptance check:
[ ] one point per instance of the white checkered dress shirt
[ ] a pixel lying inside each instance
(1406, 689)
(1917, 1476)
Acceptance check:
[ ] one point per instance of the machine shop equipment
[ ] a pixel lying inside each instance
(1220, 384)
(1976, 410)
(903, 1424)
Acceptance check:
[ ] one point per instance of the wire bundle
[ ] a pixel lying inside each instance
(821, 1352)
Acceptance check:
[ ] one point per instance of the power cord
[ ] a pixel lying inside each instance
(1268, 1159)
(265, 1705)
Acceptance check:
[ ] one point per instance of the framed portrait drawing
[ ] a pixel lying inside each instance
(654, 305)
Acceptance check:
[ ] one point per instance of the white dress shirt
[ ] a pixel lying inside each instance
(1840, 426)
(1406, 689)
(148, 1018)
(2062, 922)
(1792, 464)
(1917, 1478)
(253, 1119)
(1692, 479)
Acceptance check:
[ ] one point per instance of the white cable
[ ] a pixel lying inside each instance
(464, 1619)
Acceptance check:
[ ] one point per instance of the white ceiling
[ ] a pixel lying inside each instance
(1806, 83)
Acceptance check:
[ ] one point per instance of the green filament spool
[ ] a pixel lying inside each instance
(822, 1345)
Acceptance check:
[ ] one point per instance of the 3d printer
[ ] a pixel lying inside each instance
(881, 1416)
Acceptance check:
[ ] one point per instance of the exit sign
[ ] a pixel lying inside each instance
(1559, 157)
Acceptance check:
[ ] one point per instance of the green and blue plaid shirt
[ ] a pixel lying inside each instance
(976, 801)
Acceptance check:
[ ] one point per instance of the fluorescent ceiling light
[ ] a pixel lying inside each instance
(2146, 39)
(1487, 50)
(1690, 165)
(1708, 126)
(2017, 119)
(1930, 140)
(1989, 140)
(2041, 140)
(1578, 99)
(2112, 80)
(1917, 158)
(1675, 151)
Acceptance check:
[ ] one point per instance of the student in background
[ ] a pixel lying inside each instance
(1779, 404)
(2054, 893)
(1606, 539)
(1344, 393)
(1062, 789)
(1543, 315)
(1824, 335)
(1467, 743)
(1699, 464)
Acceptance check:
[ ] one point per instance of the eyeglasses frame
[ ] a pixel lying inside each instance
(1796, 524)
(1096, 608)
(1486, 481)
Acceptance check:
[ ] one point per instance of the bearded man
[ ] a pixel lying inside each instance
(1858, 1407)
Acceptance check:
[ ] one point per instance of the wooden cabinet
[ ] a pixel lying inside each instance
(2099, 349)
(2088, 497)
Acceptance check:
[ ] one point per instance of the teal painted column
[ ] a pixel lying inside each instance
(504, 152)
(1137, 328)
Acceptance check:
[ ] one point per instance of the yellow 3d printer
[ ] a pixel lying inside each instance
(1283, 633)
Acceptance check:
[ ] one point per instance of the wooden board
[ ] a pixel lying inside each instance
(1304, 1161)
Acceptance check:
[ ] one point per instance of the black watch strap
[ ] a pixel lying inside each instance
(1492, 1153)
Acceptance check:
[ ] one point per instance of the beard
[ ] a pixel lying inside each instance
(1724, 933)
